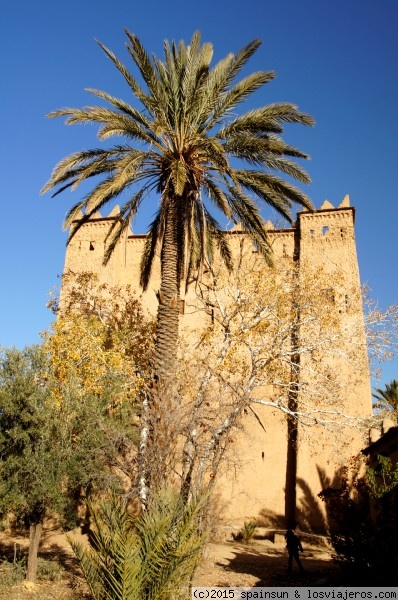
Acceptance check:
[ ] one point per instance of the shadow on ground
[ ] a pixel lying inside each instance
(15, 549)
(270, 568)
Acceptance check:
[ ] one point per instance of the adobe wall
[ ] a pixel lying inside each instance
(327, 242)
(254, 483)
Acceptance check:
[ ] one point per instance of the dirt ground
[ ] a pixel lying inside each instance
(263, 562)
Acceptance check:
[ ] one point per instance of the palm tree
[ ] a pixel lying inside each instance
(387, 399)
(150, 556)
(183, 140)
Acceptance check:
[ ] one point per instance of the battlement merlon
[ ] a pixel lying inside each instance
(320, 239)
(327, 207)
(315, 235)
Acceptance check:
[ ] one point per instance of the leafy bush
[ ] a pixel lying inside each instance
(363, 522)
(383, 479)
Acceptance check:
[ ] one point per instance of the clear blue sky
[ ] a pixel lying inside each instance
(336, 60)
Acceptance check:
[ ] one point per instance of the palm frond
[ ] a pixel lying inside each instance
(120, 104)
(179, 175)
(148, 73)
(289, 167)
(152, 241)
(74, 165)
(211, 151)
(256, 149)
(270, 188)
(217, 233)
(266, 119)
(245, 211)
(91, 568)
(217, 195)
(150, 556)
(122, 223)
(387, 399)
(196, 68)
(238, 94)
(146, 100)
(207, 92)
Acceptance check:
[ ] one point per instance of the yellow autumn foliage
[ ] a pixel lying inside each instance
(100, 338)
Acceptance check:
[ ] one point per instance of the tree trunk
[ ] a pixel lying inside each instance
(142, 459)
(291, 471)
(168, 308)
(292, 425)
(35, 532)
(161, 423)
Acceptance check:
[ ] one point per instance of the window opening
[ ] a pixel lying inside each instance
(329, 295)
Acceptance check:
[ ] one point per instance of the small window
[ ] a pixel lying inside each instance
(312, 233)
(329, 295)
(91, 246)
(325, 229)
(182, 307)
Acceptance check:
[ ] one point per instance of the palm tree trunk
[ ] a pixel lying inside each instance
(168, 308)
(161, 427)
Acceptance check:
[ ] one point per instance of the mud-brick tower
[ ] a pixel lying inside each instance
(280, 470)
(325, 241)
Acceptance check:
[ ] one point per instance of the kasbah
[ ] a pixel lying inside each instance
(272, 479)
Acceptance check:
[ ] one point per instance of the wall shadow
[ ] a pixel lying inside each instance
(270, 519)
(308, 512)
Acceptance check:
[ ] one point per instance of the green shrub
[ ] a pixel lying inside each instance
(247, 532)
(49, 570)
(11, 573)
(147, 557)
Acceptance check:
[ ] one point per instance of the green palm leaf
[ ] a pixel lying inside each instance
(148, 557)
(387, 399)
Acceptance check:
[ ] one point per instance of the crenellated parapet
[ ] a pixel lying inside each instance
(321, 244)
(328, 224)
